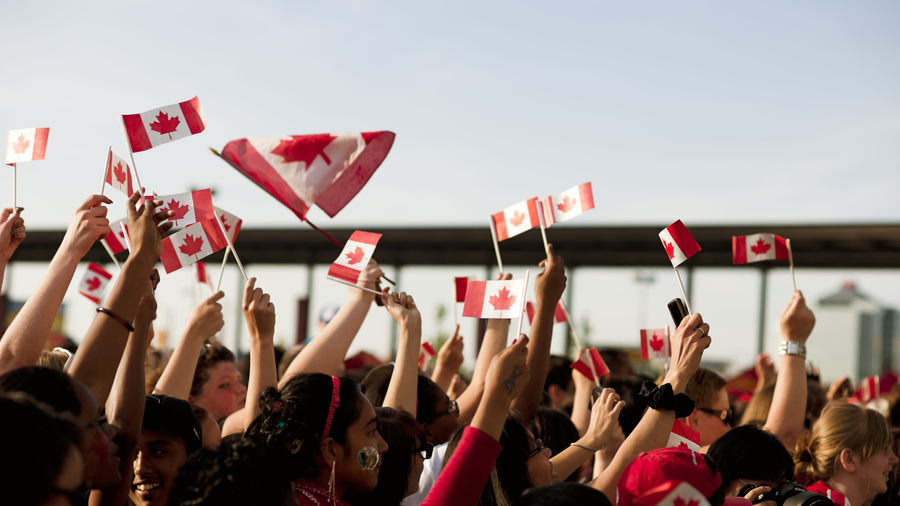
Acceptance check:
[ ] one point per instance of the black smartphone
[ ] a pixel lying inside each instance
(595, 396)
(677, 310)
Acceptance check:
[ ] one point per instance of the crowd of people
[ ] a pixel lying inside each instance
(114, 424)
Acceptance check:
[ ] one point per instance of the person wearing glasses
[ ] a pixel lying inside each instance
(712, 412)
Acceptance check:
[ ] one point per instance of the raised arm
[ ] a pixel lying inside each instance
(449, 359)
(101, 350)
(205, 320)
(326, 352)
(260, 315)
(12, 233)
(548, 288)
(25, 338)
(652, 432)
(401, 392)
(581, 410)
(788, 411)
(604, 420)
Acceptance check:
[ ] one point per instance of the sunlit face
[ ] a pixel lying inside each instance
(101, 464)
(710, 426)
(416, 466)
(540, 469)
(159, 455)
(68, 479)
(223, 394)
(874, 472)
(362, 433)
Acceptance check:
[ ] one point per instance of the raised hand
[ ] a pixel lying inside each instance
(508, 373)
(146, 312)
(259, 312)
(144, 229)
(401, 307)
(765, 370)
(797, 320)
(687, 342)
(604, 418)
(206, 319)
(450, 356)
(88, 224)
(12, 233)
(550, 284)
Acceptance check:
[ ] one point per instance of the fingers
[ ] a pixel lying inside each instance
(215, 297)
(504, 276)
(94, 201)
(154, 279)
(5, 214)
(248, 292)
(165, 227)
(455, 332)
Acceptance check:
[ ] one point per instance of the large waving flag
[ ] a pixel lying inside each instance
(327, 170)
(163, 124)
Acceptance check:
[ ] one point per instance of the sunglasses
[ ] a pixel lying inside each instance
(454, 409)
(725, 415)
(426, 449)
(539, 449)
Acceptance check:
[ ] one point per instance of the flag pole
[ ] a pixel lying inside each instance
(131, 157)
(453, 305)
(15, 203)
(233, 251)
(791, 258)
(496, 246)
(571, 325)
(543, 228)
(683, 293)
(106, 172)
(669, 344)
(111, 255)
(222, 271)
(522, 298)
(376, 292)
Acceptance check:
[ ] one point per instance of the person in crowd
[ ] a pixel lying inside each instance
(212, 435)
(559, 385)
(751, 455)
(562, 494)
(655, 468)
(556, 431)
(848, 456)
(757, 409)
(712, 410)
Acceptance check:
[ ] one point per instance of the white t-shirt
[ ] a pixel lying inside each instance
(429, 475)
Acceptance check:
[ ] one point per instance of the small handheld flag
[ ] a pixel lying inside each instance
(591, 364)
(680, 245)
(655, 343)
(354, 258)
(94, 281)
(494, 299)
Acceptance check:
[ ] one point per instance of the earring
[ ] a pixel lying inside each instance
(331, 484)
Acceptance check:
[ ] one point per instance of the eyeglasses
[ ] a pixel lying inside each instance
(454, 410)
(426, 449)
(539, 449)
(725, 415)
(101, 421)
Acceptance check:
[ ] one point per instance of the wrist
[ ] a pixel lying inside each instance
(678, 380)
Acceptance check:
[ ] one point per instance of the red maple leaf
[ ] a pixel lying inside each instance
(164, 124)
(180, 211)
(566, 205)
(122, 233)
(225, 224)
(656, 343)
(680, 502)
(356, 256)
(761, 247)
(191, 245)
(93, 284)
(517, 218)
(503, 300)
(20, 146)
(304, 148)
(683, 445)
(670, 249)
(119, 173)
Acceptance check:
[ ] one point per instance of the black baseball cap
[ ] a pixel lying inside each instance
(173, 416)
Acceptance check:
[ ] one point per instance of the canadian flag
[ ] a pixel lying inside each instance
(354, 257)
(426, 351)
(230, 222)
(189, 207)
(559, 314)
(586, 360)
(494, 299)
(163, 124)
(117, 239)
(568, 204)
(870, 389)
(26, 145)
(301, 170)
(461, 284)
(756, 247)
(516, 219)
(202, 278)
(118, 174)
(655, 343)
(191, 244)
(94, 281)
(673, 492)
(683, 435)
(679, 243)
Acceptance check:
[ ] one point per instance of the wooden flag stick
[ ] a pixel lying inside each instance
(521, 300)
(106, 170)
(543, 228)
(222, 271)
(376, 292)
(15, 203)
(453, 305)
(231, 246)
(683, 293)
(496, 246)
(571, 325)
(131, 158)
(791, 258)
(669, 344)
(111, 255)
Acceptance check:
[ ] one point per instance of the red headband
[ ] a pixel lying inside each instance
(335, 401)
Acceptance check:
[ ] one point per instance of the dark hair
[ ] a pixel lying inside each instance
(509, 476)
(559, 372)
(556, 431)
(34, 453)
(751, 452)
(238, 472)
(293, 418)
(428, 393)
(399, 430)
(562, 494)
(628, 388)
(210, 355)
(50, 386)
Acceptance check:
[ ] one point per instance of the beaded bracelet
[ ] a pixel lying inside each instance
(116, 317)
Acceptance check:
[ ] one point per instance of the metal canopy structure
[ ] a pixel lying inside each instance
(815, 246)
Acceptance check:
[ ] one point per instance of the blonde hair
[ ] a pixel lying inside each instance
(704, 386)
(53, 359)
(842, 426)
(757, 410)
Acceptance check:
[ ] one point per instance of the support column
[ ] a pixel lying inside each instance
(763, 280)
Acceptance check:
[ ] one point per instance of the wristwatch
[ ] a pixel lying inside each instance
(793, 348)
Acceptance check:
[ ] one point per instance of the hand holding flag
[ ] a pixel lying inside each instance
(145, 226)
(354, 258)
(680, 245)
(591, 365)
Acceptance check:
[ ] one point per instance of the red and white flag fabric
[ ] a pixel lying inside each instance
(426, 351)
(327, 170)
(870, 389)
(354, 257)
(494, 299)
(683, 435)
(116, 240)
(516, 219)
(191, 244)
(94, 281)
(588, 358)
(230, 222)
(26, 144)
(118, 174)
(163, 124)
(568, 204)
(673, 492)
(655, 343)
(757, 247)
(202, 278)
(461, 284)
(559, 314)
(679, 243)
(189, 207)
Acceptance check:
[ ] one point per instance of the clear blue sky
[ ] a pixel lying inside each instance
(709, 112)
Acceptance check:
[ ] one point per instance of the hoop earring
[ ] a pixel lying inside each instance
(331, 484)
